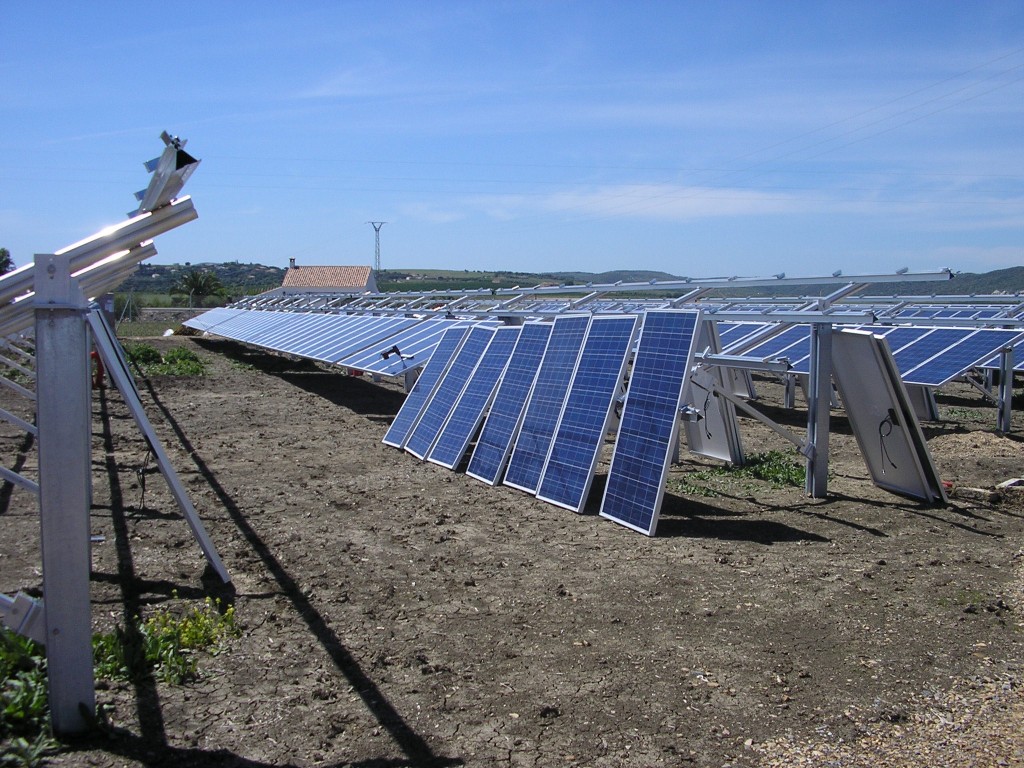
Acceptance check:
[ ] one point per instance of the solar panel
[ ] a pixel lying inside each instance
(576, 447)
(353, 336)
(503, 420)
(1018, 359)
(926, 347)
(786, 341)
(414, 346)
(296, 328)
(960, 357)
(320, 341)
(730, 333)
(468, 411)
(531, 448)
(432, 372)
(898, 338)
(442, 400)
(649, 427)
(211, 319)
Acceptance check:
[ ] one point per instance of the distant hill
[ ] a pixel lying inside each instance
(1010, 280)
(241, 279)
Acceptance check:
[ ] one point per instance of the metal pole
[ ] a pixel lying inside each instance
(63, 418)
(1005, 391)
(819, 398)
(376, 229)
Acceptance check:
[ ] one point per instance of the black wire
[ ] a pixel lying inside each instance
(884, 430)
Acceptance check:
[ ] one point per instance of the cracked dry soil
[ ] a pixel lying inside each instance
(394, 613)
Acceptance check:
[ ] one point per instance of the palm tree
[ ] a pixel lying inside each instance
(196, 284)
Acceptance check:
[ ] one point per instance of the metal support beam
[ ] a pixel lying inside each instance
(63, 418)
(1005, 391)
(819, 398)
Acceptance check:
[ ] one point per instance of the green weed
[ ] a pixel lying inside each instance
(25, 737)
(775, 467)
(179, 361)
(164, 644)
(778, 468)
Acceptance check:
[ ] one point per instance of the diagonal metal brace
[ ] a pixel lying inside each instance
(24, 615)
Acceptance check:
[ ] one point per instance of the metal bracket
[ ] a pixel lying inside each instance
(24, 615)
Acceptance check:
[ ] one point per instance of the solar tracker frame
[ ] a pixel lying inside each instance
(468, 411)
(447, 392)
(583, 422)
(421, 391)
(526, 462)
(649, 426)
(494, 444)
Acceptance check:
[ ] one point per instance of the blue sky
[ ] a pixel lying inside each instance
(697, 138)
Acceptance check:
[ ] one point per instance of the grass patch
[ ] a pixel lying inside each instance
(179, 361)
(25, 738)
(778, 468)
(164, 645)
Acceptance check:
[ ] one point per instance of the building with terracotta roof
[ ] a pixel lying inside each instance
(322, 279)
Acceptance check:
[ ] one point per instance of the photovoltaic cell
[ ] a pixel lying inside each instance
(649, 427)
(503, 420)
(441, 402)
(409, 413)
(465, 418)
(534, 438)
(576, 447)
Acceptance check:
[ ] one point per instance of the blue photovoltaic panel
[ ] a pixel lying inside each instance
(730, 333)
(960, 358)
(503, 420)
(409, 413)
(783, 344)
(897, 338)
(209, 320)
(248, 325)
(926, 347)
(307, 334)
(327, 347)
(572, 459)
(465, 417)
(648, 430)
(370, 337)
(531, 448)
(1018, 359)
(414, 347)
(441, 402)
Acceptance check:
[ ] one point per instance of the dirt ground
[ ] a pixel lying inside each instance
(395, 613)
